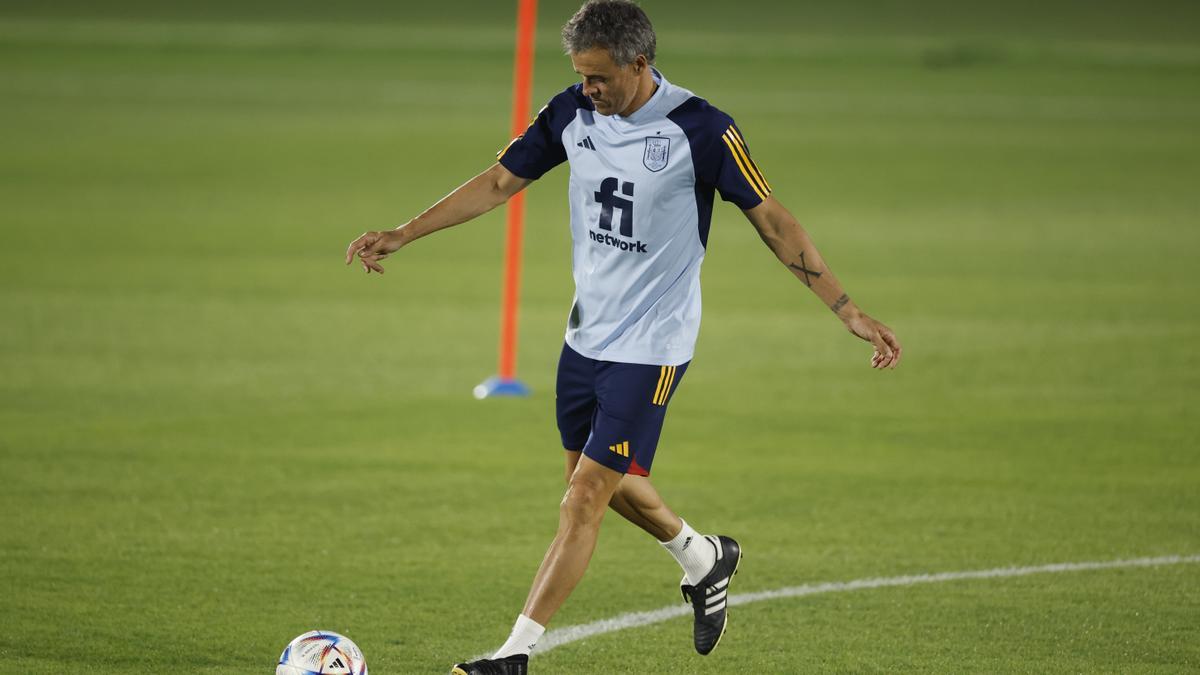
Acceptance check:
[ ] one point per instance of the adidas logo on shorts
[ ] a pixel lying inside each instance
(621, 449)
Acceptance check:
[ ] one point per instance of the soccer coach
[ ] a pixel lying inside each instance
(646, 158)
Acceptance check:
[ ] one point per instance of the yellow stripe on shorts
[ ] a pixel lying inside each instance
(662, 376)
(664, 385)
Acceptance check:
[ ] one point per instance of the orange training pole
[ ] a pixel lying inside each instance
(505, 382)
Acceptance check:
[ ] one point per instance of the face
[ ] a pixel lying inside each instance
(612, 88)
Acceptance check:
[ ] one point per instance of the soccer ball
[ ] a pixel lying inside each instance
(320, 652)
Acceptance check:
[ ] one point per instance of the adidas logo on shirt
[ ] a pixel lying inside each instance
(586, 143)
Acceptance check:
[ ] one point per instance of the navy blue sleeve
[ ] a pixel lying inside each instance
(720, 154)
(540, 148)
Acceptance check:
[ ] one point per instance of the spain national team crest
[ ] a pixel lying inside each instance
(658, 149)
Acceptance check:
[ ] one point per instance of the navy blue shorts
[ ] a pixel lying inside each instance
(613, 411)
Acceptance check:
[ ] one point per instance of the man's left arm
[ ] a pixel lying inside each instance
(782, 233)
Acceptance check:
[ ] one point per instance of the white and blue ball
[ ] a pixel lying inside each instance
(320, 652)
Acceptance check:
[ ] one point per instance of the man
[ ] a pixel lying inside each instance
(646, 157)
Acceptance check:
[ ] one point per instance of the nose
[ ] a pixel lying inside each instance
(591, 91)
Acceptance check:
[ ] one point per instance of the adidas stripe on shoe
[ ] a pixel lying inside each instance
(709, 598)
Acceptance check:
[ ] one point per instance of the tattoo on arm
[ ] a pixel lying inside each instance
(807, 272)
(840, 303)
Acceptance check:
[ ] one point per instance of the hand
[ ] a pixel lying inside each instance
(887, 347)
(372, 247)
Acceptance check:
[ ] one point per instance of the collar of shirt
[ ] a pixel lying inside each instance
(645, 112)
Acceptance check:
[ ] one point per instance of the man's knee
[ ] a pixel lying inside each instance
(586, 499)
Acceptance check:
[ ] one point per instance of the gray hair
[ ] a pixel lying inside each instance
(619, 26)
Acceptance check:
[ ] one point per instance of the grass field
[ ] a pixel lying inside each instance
(214, 437)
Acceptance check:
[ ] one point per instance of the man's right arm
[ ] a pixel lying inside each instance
(473, 198)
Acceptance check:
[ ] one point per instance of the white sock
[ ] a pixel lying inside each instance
(524, 636)
(695, 553)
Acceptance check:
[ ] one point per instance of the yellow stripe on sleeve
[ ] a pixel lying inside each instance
(741, 166)
(746, 153)
(742, 162)
(500, 155)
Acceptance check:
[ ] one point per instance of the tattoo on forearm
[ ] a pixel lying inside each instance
(840, 303)
(803, 268)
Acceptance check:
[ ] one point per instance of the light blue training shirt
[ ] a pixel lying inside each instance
(641, 197)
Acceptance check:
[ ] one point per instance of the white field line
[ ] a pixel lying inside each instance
(569, 634)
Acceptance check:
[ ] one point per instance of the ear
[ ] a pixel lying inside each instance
(640, 63)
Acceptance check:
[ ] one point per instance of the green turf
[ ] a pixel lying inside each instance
(215, 437)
